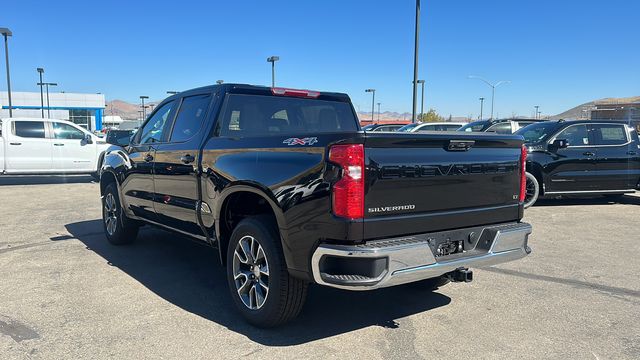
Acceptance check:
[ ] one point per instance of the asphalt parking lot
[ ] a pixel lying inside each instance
(66, 294)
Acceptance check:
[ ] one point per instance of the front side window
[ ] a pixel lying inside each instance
(500, 128)
(190, 117)
(29, 129)
(610, 134)
(65, 131)
(576, 135)
(152, 131)
(255, 115)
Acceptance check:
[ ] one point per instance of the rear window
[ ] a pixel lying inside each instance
(29, 129)
(613, 134)
(255, 115)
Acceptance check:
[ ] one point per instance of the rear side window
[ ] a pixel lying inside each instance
(29, 129)
(255, 115)
(610, 134)
(190, 117)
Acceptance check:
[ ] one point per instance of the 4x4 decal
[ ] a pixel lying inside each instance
(303, 141)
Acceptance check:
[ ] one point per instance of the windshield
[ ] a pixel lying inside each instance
(537, 132)
(408, 127)
(474, 126)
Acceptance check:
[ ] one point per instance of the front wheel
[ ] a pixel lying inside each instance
(260, 285)
(118, 229)
(532, 190)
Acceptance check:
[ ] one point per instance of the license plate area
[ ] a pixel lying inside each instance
(449, 247)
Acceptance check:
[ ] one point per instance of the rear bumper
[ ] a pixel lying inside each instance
(403, 260)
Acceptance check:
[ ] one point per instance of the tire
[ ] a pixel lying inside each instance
(118, 229)
(259, 282)
(433, 283)
(532, 190)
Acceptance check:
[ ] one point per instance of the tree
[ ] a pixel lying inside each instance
(430, 116)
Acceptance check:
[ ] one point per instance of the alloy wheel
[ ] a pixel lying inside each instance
(251, 272)
(110, 214)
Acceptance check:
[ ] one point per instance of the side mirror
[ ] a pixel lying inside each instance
(88, 139)
(558, 144)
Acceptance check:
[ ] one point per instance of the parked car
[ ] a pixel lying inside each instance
(48, 146)
(431, 126)
(500, 126)
(291, 191)
(581, 157)
(119, 137)
(382, 127)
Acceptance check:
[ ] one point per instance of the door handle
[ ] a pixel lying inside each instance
(58, 144)
(148, 158)
(588, 153)
(15, 143)
(631, 153)
(187, 159)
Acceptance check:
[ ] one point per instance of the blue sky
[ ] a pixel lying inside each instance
(557, 54)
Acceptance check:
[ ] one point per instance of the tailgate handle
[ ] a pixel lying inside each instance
(460, 145)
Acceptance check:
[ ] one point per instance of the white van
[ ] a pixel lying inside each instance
(48, 146)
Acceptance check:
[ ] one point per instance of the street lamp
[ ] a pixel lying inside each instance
(144, 111)
(421, 82)
(481, 106)
(47, 84)
(272, 60)
(41, 71)
(172, 92)
(6, 33)
(219, 82)
(378, 112)
(493, 88)
(415, 63)
(373, 101)
(536, 113)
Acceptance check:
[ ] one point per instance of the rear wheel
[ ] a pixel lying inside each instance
(260, 285)
(532, 190)
(118, 228)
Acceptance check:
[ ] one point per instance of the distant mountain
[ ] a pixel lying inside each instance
(126, 110)
(583, 111)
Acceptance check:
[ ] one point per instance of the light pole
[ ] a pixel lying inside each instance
(536, 113)
(493, 88)
(378, 112)
(421, 82)
(144, 111)
(415, 63)
(47, 84)
(151, 106)
(6, 33)
(41, 71)
(172, 92)
(373, 101)
(219, 82)
(272, 60)
(481, 106)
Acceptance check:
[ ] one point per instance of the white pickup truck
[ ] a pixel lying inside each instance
(48, 146)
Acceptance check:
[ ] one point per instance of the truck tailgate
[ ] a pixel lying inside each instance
(417, 183)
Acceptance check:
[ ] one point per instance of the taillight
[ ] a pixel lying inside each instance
(295, 93)
(523, 172)
(348, 192)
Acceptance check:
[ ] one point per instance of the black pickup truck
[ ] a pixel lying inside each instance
(291, 191)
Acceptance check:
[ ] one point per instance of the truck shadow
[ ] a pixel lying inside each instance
(44, 179)
(599, 200)
(189, 275)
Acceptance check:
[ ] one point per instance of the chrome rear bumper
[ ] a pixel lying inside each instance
(408, 259)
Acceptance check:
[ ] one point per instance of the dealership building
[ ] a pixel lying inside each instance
(86, 110)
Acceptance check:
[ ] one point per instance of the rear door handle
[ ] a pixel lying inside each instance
(187, 159)
(15, 143)
(588, 153)
(58, 144)
(148, 158)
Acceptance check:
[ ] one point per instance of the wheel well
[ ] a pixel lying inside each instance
(537, 173)
(236, 207)
(105, 179)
